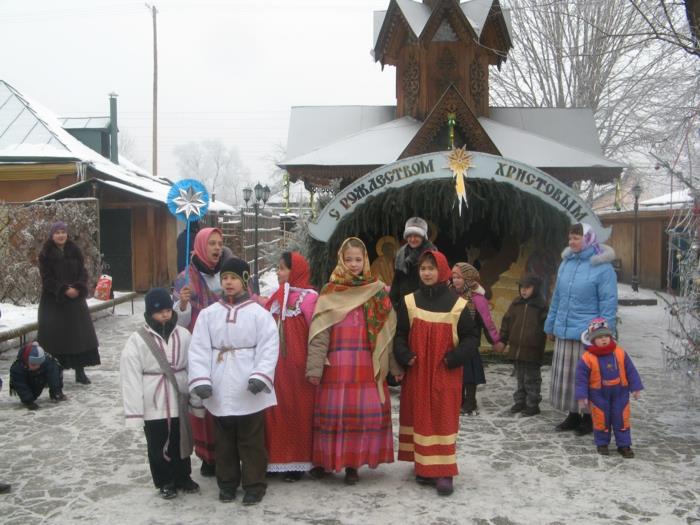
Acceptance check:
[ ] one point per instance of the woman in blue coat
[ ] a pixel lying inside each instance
(586, 288)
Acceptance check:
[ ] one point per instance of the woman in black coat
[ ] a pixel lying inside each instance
(65, 325)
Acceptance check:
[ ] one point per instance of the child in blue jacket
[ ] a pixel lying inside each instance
(605, 376)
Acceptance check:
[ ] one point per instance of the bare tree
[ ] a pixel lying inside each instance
(219, 167)
(595, 54)
(672, 22)
(127, 148)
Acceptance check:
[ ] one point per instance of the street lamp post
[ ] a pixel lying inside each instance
(262, 193)
(637, 192)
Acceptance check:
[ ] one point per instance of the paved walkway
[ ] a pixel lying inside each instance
(76, 463)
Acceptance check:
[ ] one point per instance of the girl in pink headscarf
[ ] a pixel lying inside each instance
(202, 290)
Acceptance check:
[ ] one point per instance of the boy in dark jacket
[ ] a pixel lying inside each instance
(31, 372)
(522, 329)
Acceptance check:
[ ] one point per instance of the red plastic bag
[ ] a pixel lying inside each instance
(103, 288)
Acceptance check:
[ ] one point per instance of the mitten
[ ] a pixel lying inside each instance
(203, 391)
(255, 385)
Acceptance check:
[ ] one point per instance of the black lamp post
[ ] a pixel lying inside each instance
(637, 192)
(262, 193)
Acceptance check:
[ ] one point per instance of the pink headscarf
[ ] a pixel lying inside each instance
(590, 238)
(200, 245)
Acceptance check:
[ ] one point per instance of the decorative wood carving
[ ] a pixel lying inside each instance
(411, 85)
(474, 135)
(447, 67)
(477, 85)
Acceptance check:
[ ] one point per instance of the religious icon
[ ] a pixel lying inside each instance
(383, 265)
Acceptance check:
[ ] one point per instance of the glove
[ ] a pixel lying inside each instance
(203, 391)
(255, 386)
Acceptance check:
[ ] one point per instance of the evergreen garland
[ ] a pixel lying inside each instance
(496, 210)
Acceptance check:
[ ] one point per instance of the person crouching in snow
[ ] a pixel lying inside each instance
(605, 376)
(31, 372)
(435, 335)
(232, 363)
(153, 374)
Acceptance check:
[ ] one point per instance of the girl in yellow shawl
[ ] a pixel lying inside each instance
(350, 354)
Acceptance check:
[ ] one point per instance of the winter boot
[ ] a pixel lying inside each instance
(253, 497)
(57, 396)
(317, 473)
(5, 488)
(572, 421)
(188, 486)
(517, 407)
(422, 480)
(291, 477)
(168, 491)
(603, 450)
(531, 411)
(207, 470)
(585, 427)
(625, 452)
(351, 476)
(80, 376)
(444, 486)
(227, 494)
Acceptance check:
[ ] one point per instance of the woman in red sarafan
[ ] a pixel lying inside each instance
(435, 335)
(288, 425)
(349, 358)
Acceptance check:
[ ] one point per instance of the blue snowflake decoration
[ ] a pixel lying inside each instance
(188, 200)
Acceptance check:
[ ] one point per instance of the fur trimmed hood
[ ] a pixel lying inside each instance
(607, 255)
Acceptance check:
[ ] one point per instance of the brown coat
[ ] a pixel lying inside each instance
(522, 329)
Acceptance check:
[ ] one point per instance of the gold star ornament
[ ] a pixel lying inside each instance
(459, 161)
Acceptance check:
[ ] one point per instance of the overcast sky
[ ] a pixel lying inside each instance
(228, 69)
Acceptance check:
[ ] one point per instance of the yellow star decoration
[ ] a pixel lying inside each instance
(459, 161)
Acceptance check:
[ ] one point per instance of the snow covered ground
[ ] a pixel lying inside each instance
(75, 462)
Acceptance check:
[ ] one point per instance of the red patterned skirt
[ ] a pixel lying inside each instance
(351, 426)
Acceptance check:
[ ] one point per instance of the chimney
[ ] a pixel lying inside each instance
(113, 129)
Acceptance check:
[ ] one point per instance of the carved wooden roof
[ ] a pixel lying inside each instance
(405, 22)
(474, 134)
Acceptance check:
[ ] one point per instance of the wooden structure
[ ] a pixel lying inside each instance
(41, 160)
(442, 51)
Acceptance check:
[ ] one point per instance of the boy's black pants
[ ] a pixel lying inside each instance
(166, 472)
(241, 457)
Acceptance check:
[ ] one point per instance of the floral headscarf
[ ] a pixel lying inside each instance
(342, 280)
(590, 239)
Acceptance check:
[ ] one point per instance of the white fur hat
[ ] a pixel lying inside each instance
(416, 226)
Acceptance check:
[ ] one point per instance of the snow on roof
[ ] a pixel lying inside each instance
(311, 127)
(416, 14)
(374, 146)
(539, 151)
(476, 12)
(572, 126)
(84, 122)
(378, 19)
(29, 130)
(541, 137)
(683, 196)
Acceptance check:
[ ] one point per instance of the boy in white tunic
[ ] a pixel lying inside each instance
(154, 389)
(232, 362)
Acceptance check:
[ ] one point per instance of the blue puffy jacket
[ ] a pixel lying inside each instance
(586, 288)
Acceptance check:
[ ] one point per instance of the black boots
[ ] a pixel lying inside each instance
(585, 427)
(572, 421)
(80, 376)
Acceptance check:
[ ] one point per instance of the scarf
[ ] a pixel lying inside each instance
(345, 292)
(603, 350)
(200, 251)
(590, 239)
(407, 257)
(299, 278)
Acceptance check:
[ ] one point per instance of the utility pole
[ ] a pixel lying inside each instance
(154, 12)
